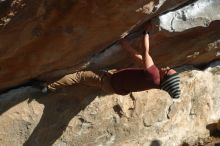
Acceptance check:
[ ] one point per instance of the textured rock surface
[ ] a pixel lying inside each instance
(48, 35)
(199, 13)
(187, 35)
(54, 37)
(73, 117)
(51, 38)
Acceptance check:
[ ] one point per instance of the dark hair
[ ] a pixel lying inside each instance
(167, 76)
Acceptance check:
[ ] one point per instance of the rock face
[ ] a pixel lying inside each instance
(89, 118)
(199, 13)
(51, 38)
(45, 39)
(187, 35)
(45, 36)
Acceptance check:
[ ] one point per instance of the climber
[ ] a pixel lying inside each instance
(126, 80)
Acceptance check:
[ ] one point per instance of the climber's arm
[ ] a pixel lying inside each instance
(132, 52)
(147, 60)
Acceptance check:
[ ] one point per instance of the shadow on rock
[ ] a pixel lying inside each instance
(59, 109)
(214, 129)
(17, 95)
(155, 143)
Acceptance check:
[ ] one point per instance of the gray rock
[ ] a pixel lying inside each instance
(199, 13)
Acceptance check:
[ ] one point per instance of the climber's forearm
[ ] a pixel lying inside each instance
(147, 61)
(146, 44)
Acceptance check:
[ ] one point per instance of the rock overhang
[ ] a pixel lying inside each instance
(46, 46)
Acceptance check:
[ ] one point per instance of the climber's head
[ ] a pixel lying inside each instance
(170, 82)
(166, 71)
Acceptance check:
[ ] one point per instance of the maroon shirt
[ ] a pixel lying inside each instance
(135, 79)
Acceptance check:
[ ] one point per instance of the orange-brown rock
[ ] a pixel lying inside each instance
(58, 36)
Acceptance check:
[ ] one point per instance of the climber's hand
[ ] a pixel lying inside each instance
(148, 27)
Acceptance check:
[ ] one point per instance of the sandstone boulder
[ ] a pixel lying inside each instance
(73, 117)
(49, 38)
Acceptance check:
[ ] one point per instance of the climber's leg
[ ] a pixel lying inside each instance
(67, 80)
(98, 79)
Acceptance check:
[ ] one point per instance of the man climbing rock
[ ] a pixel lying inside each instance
(126, 80)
